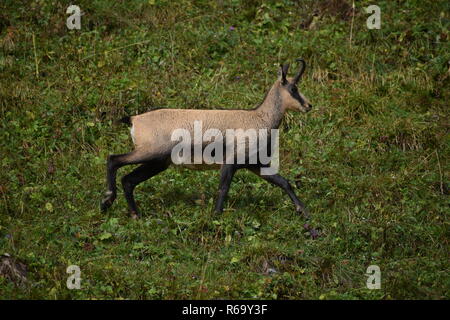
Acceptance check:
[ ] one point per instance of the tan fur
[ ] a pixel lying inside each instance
(151, 131)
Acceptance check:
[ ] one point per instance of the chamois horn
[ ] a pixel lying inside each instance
(284, 71)
(300, 72)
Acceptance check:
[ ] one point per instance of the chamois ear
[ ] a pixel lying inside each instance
(283, 72)
(300, 72)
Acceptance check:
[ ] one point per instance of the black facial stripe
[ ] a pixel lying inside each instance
(297, 97)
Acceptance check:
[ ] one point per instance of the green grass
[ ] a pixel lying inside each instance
(370, 161)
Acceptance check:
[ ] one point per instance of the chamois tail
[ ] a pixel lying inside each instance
(126, 120)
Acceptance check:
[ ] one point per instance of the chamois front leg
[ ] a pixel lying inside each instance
(226, 175)
(281, 182)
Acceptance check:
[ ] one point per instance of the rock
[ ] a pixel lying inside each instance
(13, 270)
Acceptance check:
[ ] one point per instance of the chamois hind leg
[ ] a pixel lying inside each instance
(138, 175)
(226, 175)
(114, 162)
(281, 182)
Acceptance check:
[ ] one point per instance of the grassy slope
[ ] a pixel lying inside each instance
(370, 161)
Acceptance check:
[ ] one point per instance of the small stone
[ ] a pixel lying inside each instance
(314, 234)
(271, 271)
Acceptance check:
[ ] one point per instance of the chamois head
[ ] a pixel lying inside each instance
(292, 98)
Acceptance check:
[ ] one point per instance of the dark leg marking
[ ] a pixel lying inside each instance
(115, 162)
(138, 175)
(226, 175)
(112, 165)
(281, 182)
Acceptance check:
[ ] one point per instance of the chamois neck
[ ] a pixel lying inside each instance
(271, 109)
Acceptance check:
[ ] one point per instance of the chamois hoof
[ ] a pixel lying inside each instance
(303, 211)
(135, 215)
(104, 205)
(107, 202)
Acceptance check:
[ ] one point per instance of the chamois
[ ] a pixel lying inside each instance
(152, 137)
